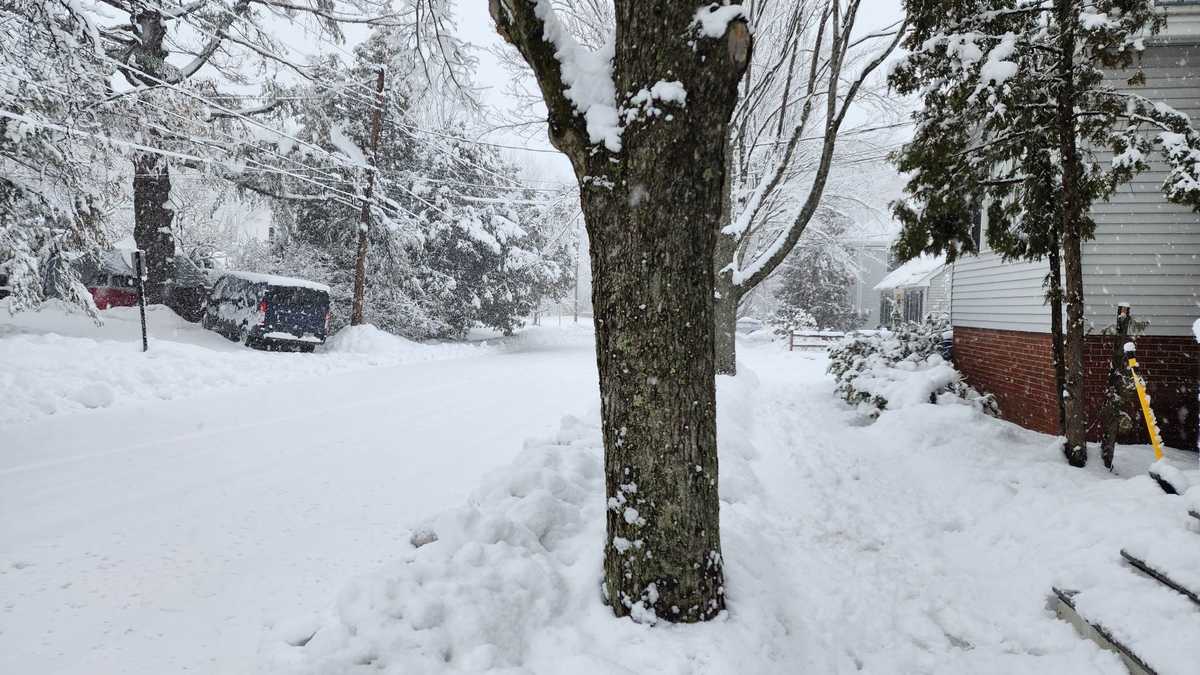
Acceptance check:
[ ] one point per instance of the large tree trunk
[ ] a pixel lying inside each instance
(152, 222)
(651, 294)
(652, 242)
(1072, 235)
(652, 209)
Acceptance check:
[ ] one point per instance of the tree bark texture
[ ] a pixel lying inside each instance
(152, 218)
(652, 211)
(1072, 227)
(726, 299)
(1056, 331)
(152, 222)
(1114, 393)
(726, 295)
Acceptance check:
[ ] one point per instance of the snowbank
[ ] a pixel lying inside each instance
(57, 361)
(511, 583)
(382, 348)
(926, 542)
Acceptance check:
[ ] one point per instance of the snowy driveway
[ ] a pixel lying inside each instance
(165, 538)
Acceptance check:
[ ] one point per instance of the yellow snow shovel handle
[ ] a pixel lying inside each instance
(1151, 423)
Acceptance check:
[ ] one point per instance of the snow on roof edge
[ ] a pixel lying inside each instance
(914, 273)
(276, 280)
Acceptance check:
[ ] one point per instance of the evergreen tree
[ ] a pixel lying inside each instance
(55, 182)
(1017, 119)
(817, 277)
(455, 240)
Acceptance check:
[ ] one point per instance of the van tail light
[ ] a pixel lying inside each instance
(328, 317)
(262, 311)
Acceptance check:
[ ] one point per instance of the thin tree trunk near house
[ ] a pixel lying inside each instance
(152, 222)
(1075, 429)
(1114, 393)
(726, 295)
(726, 298)
(652, 210)
(1056, 330)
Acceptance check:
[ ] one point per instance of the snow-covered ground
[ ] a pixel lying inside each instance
(222, 489)
(262, 522)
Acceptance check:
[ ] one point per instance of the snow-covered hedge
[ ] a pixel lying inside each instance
(899, 368)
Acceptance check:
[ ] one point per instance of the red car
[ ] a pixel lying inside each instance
(113, 290)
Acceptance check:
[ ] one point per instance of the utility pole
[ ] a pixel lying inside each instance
(360, 263)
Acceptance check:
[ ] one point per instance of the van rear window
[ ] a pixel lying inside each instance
(299, 299)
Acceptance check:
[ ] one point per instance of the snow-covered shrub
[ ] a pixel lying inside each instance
(787, 320)
(901, 367)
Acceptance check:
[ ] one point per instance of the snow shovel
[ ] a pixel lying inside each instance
(1170, 479)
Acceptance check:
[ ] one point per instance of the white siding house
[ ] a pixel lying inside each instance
(915, 289)
(1145, 252)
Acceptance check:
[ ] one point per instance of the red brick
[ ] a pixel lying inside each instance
(1016, 367)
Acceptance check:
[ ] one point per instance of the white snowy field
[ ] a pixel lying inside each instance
(220, 489)
(244, 512)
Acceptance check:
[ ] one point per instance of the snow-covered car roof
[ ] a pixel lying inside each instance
(273, 280)
(913, 274)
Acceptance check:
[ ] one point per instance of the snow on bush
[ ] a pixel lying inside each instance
(900, 368)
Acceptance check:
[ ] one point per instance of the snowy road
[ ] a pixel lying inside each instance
(165, 538)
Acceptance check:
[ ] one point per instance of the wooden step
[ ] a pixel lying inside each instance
(1171, 557)
(1064, 608)
(1160, 575)
(1151, 628)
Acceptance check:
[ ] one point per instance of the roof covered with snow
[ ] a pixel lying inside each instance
(915, 273)
(274, 280)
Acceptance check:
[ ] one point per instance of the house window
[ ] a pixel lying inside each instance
(977, 227)
(914, 305)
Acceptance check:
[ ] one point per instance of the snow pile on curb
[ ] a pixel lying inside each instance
(57, 361)
(501, 568)
(367, 339)
(511, 583)
(383, 348)
(543, 338)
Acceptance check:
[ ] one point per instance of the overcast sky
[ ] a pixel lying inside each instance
(475, 26)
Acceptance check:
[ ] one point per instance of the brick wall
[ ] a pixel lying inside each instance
(1017, 368)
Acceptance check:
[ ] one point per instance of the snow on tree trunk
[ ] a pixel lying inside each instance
(651, 169)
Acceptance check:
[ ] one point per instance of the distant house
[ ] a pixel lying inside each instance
(915, 289)
(1146, 252)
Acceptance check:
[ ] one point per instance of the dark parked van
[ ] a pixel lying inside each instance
(268, 312)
